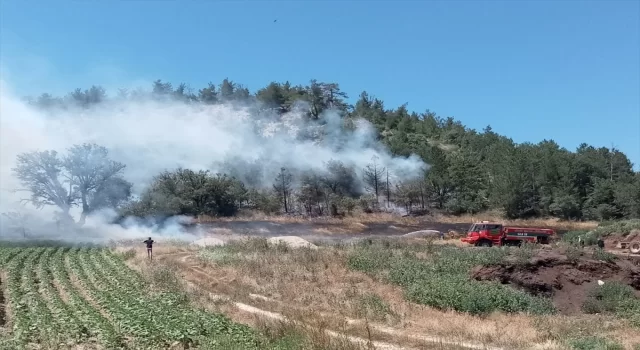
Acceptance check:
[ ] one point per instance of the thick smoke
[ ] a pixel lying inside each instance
(150, 136)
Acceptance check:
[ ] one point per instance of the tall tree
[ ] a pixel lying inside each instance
(86, 176)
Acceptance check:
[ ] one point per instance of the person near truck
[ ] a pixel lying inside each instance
(581, 242)
(149, 243)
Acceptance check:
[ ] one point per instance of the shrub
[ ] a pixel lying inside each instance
(602, 255)
(373, 307)
(572, 236)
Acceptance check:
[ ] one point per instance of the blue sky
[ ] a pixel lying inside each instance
(533, 70)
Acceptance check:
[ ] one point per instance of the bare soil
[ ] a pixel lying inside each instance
(566, 281)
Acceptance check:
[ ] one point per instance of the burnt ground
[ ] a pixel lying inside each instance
(566, 281)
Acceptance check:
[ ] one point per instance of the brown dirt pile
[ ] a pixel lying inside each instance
(566, 281)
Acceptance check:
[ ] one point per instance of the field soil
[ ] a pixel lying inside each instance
(566, 280)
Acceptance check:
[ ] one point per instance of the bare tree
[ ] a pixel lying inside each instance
(373, 177)
(282, 186)
(18, 222)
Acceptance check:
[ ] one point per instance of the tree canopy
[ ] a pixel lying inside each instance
(471, 171)
(85, 177)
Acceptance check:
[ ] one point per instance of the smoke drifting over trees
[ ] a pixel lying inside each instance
(214, 151)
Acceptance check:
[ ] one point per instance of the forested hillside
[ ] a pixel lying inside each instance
(471, 171)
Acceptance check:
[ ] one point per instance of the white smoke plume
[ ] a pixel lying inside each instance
(151, 136)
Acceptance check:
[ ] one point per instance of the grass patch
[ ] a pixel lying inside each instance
(573, 253)
(441, 279)
(602, 255)
(594, 343)
(573, 236)
(615, 298)
(372, 307)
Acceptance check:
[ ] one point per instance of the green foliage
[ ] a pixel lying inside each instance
(471, 170)
(604, 229)
(623, 227)
(573, 253)
(572, 236)
(442, 280)
(186, 192)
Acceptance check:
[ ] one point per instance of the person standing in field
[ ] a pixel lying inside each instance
(149, 243)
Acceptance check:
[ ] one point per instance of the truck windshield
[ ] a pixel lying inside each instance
(475, 228)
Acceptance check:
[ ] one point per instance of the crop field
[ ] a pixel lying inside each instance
(57, 297)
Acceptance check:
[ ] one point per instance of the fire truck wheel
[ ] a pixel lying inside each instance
(484, 243)
(635, 247)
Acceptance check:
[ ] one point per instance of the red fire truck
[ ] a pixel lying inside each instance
(487, 234)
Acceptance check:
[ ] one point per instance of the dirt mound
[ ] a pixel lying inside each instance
(566, 281)
(293, 241)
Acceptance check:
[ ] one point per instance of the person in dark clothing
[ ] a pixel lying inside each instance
(149, 243)
(600, 243)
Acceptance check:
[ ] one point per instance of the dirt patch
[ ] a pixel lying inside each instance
(566, 281)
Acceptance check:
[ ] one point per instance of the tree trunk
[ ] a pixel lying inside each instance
(85, 210)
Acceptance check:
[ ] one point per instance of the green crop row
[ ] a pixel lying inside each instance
(95, 325)
(160, 318)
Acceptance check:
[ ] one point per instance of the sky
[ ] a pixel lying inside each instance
(533, 70)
